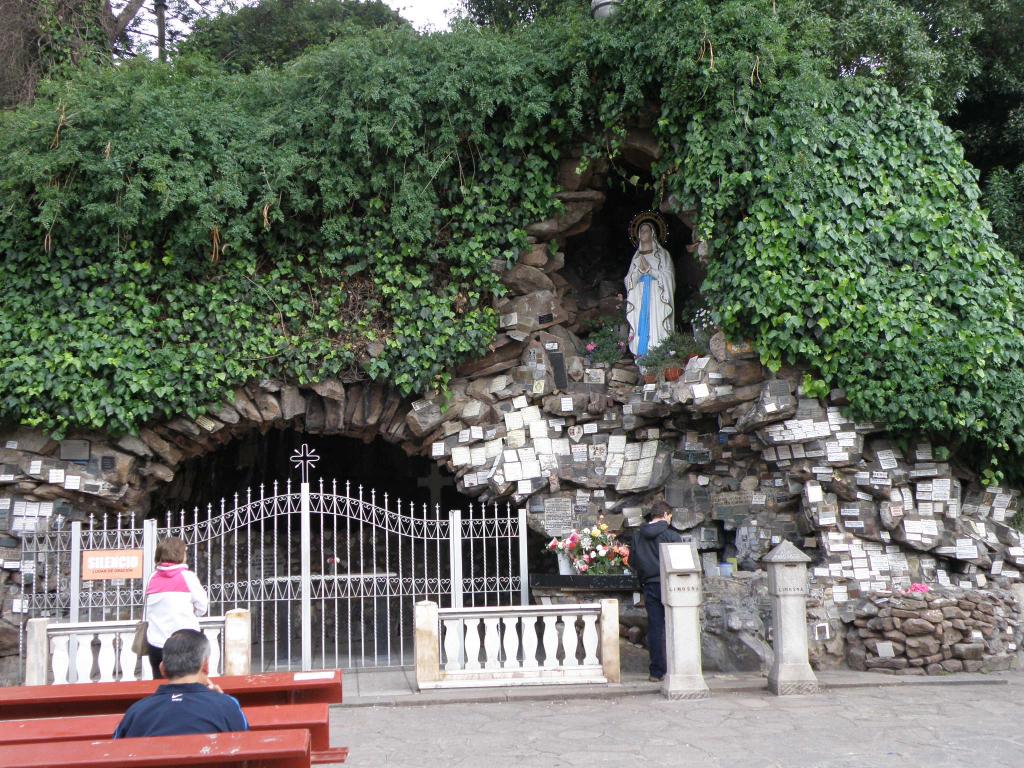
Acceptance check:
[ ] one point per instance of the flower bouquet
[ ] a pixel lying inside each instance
(592, 551)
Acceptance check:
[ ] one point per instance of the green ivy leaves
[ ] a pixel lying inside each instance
(168, 233)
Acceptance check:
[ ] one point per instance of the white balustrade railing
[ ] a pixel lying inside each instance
(101, 651)
(527, 645)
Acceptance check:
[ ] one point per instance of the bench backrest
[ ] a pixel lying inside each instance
(26, 702)
(269, 749)
(312, 717)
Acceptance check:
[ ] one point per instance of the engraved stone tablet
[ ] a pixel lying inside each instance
(74, 450)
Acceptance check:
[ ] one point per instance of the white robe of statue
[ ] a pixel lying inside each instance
(650, 294)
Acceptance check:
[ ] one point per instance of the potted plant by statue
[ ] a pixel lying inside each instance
(606, 342)
(670, 356)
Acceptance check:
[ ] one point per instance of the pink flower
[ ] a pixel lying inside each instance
(591, 347)
(583, 567)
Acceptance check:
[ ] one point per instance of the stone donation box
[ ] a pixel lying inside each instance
(681, 594)
(787, 584)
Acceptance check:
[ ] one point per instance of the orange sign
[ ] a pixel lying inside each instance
(112, 564)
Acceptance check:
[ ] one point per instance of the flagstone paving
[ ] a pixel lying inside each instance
(954, 721)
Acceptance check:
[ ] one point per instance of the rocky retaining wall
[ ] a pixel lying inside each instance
(936, 633)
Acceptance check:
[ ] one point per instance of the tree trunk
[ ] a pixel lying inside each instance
(27, 40)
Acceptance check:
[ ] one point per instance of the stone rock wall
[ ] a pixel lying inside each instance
(741, 454)
(935, 633)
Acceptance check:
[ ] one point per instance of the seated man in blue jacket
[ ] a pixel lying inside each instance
(188, 702)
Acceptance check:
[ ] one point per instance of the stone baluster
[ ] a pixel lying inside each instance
(127, 656)
(510, 643)
(60, 659)
(472, 644)
(590, 639)
(106, 658)
(787, 584)
(213, 635)
(84, 658)
(570, 640)
(491, 643)
(453, 629)
(530, 642)
(550, 642)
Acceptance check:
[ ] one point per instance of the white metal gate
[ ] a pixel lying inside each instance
(330, 573)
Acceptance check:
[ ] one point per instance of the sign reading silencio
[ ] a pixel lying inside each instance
(112, 564)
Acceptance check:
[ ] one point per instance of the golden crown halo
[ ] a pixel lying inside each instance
(645, 217)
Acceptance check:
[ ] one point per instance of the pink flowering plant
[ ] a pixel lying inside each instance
(593, 551)
(606, 342)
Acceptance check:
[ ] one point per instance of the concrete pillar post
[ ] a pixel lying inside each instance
(237, 642)
(681, 596)
(610, 641)
(427, 643)
(37, 653)
(787, 584)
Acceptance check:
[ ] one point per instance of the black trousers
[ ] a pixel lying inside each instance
(655, 628)
(156, 655)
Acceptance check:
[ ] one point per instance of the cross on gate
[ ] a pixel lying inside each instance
(435, 481)
(304, 460)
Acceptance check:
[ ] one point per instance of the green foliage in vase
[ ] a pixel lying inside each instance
(671, 352)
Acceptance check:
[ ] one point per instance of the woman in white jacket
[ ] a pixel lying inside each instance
(174, 599)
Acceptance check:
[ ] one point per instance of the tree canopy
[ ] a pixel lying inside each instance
(274, 32)
(169, 232)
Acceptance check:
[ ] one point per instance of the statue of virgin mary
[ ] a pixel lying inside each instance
(650, 286)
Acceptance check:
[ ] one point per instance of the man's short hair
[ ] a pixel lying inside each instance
(184, 653)
(660, 508)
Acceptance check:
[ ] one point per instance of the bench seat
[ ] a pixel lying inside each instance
(26, 702)
(267, 749)
(314, 718)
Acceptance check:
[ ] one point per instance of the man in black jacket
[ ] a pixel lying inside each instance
(645, 559)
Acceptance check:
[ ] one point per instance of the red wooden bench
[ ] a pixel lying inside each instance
(26, 702)
(310, 717)
(267, 749)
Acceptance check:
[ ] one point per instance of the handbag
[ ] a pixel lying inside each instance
(140, 645)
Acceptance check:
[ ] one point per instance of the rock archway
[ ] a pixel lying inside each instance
(94, 473)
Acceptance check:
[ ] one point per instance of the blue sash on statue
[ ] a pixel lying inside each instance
(643, 330)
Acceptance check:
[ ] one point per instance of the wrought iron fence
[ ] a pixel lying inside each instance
(345, 599)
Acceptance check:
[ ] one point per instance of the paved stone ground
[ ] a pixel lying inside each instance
(934, 726)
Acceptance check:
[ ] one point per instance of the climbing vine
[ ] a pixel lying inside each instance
(171, 232)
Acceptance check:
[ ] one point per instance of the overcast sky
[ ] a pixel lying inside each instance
(424, 13)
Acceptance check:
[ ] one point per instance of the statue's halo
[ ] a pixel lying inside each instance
(660, 227)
